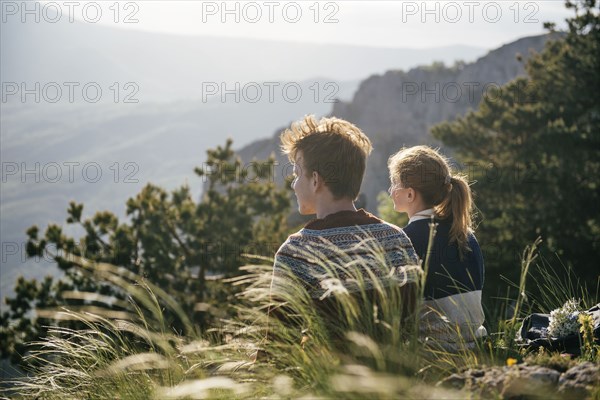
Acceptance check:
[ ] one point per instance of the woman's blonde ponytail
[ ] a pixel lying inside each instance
(457, 204)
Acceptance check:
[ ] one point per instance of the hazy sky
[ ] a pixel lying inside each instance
(376, 23)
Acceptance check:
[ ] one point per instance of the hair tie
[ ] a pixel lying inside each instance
(448, 179)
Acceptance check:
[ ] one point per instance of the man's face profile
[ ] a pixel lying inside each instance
(303, 187)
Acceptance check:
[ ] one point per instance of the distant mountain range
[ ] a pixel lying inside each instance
(398, 108)
(174, 67)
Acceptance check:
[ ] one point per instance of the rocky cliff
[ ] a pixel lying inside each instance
(398, 108)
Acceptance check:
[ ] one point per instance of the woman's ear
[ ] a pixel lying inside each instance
(411, 194)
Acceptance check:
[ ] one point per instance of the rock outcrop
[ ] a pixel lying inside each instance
(398, 108)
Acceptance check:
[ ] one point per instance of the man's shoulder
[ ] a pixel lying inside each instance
(291, 239)
(391, 227)
(298, 240)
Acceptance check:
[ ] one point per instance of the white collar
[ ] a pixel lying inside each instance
(424, 214)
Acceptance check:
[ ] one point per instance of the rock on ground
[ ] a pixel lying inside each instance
(528, 381)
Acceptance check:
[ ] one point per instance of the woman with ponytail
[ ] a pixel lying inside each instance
(424, 187)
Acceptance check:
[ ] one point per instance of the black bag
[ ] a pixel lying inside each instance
(534, 333)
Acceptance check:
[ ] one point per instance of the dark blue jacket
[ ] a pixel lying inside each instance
(448, 274)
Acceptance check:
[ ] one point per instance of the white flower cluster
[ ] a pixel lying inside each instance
(564, 320)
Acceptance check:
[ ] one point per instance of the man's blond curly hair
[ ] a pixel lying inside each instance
(334, 148)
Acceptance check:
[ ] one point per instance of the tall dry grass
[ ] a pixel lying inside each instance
(369, 350)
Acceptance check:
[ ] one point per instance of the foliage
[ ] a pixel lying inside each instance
(557, 283)
(549, 359)
(141, 358)
(532, 146)
(590, 350)
(170, 240)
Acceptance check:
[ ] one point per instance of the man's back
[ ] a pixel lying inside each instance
(346, 240)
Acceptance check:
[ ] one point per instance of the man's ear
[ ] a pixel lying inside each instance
(316, 180)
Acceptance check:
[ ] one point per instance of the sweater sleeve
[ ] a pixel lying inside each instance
(292, 267)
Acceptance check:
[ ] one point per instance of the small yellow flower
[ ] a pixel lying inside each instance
(585, 320)
(511, 361)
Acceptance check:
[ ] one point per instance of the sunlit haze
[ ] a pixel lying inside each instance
(413, 24)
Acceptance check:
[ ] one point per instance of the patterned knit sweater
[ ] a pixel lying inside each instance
(335, 252)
